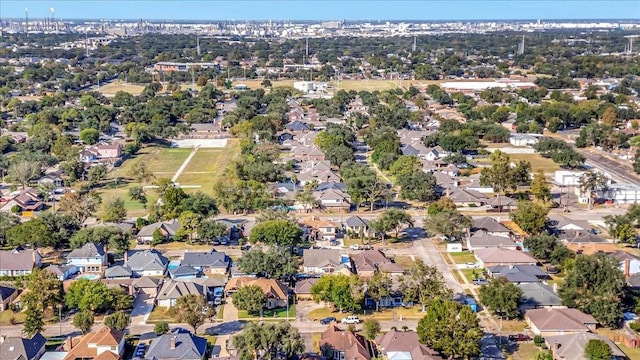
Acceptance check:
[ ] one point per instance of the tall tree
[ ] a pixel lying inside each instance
(193, 310)
(378, 286)
(83, 320)
(33, 322)
(500, 174)
(422, 284)
(268, 341)
(591, 182)
(539, 188)
(24, 171)
(501, 297)
(250, 298)
(344, 292)
(371, 328)
(136, 193)
(117, 321)
(448, 223)
(113, 210)
(277, 262)
(597, 350)
(276, 232)
(596, 286)
(451, 329)
(530, 216)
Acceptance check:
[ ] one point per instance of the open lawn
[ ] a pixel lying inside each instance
(612, 334)
(8, 318)
(207, 166)
(462, 257)
(357, 85)
(405, 261)
(537, 162)
(513, 326)
(321, 313)
(159, 314)
(527, 351)
(472, 274)
(275, 314)
(112, 88)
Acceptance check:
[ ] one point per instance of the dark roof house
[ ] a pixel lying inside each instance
(183, 346)
(15, 348)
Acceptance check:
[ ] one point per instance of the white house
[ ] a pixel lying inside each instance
(89, 258)
(147, 263)
(621, 193)
(524, 139)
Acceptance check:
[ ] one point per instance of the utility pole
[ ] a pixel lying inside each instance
(26, 21)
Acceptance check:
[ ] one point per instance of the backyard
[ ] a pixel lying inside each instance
(279, 313)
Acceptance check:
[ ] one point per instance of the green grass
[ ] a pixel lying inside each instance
(458, 276)
(279, 313)
(211, 339)
(159, 314)
(468, 274)
(383, 314)
(7, 316)
(537, 162)
(51, 345)
(207, 166)
(161, 161)
(405, 261)
(527, 351)
(220, 313)
(462, 257)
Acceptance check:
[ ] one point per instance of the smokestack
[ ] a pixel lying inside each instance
(172, 343)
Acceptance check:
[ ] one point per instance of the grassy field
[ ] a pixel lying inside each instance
(207, 166)
(405, 261)
(160, 314)
(527, 351)
(112, 88)
(463, 257)
(537, 162)
(7, 316)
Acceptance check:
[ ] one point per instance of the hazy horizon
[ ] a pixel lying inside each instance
(327, 10)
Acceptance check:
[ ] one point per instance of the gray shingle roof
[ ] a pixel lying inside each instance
(187, 347)
(518, 273)
(357, 221)
(169, 226)
(17, 259)
(321, 257)
(206, 259)
(489, 224)
(147, 260)
(118, 271)
(539, 295)
(183, 270)
(172, 289)
(88, 250)
(21, 348)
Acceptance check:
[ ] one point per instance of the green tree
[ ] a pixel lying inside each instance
(371, 328)
(531, 217)
(24, 171)
(539, 188)
(89, 136)
(189, 222)
(276, 232)
(209, 230)
(396, 220)
(596, 286)
(83, 320)
(33, 321)
(141, 173)
(500, 175)
(250, 298)
(45, 293)
(590, 183)
(193, 310)
(161, 328)
(451, 329)
(501, 297)
(113, 210)
(417, 185)
(96, 174)
(422, 284)
(547, 247)
(89, 295)
(268, 341)
(405, 164)
(544, 355)
(448, 223)
(597, 350)
(30, 233)
(117, 321)
(277, 262)
(378, 286)
(346, 293)
(136, 193)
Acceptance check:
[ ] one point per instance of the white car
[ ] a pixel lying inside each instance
(351, 320)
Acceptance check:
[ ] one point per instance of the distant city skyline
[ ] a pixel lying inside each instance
(241, 10)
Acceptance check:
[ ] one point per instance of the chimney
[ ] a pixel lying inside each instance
(34, 257)
(554, 348)
(172, 343)
(627, 267)
(126, 257)
(2, 338)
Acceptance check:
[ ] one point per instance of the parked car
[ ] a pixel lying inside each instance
(520, 337)
(354, 247)
(480, 282)
(140, 350)
(471, 264)
(351, 320)
(327, 320)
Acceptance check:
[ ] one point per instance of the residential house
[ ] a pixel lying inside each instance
(25, 200)
(518, 273)
(432, 154)
(211, 262)
(537, 295)
(571, 346)
(101, 344)
(333, 199)
(524, 139)
(548, 322)
(303, 288)
(404, 345)
(358, 227)
(90, 258)
(52, 179)
(19, 261)
(502, 203)
(147, 263)
(183, 272)
(482, 240)
(337, 344)
(321, 229)
(497, 256)
(297, 126)
(561, 223)
(147, 286)
(165, 228)
(7, 296)
(629, 263)
(118, 272)
(172, 290)
(579, 237)
(466, 197)
(321, 261)
(101, 153)
(276, 292)
(491, 226)
(183, 346)
(366, 262)
(62, 272)
(15, 348)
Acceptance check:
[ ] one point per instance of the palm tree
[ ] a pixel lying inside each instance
(592, 181)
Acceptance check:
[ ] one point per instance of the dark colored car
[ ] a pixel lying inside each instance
(520, 337)
(140, 350)
(327, 320)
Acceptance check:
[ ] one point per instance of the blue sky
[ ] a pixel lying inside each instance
(324, 9)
